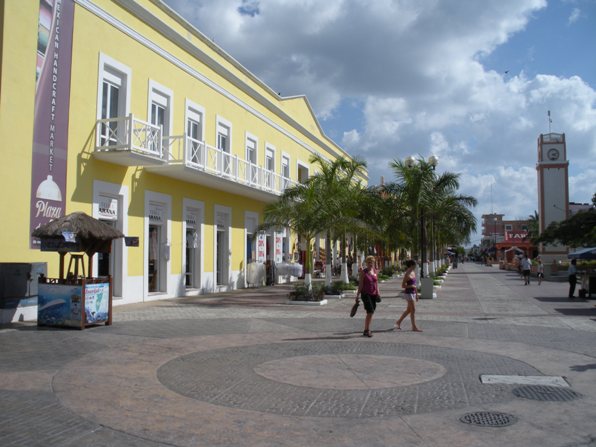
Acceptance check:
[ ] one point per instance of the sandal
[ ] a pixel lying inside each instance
(367, 334)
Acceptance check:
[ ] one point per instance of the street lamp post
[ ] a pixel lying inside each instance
(495, 235)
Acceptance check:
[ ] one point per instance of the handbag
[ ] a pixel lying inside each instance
(377, 298)
(354, 308)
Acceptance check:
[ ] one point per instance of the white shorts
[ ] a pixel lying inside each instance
(410, 297)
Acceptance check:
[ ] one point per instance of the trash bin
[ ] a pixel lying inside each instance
(427, 288)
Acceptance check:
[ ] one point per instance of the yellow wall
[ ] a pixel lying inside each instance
(19, 46)
(93, 36)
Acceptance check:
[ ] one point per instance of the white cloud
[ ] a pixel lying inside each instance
(351, 139)
(418, 69)
(574, 16)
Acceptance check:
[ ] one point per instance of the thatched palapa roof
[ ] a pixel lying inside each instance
(84, 227)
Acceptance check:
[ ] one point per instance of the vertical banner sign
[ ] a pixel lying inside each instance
(278, 248)
(50, 126)
(261, 247)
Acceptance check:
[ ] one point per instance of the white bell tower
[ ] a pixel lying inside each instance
(553, 188)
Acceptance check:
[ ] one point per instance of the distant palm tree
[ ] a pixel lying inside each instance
(533, 226)
(430, 201)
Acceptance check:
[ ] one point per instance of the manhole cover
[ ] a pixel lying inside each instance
(546, 393)
(488, 419)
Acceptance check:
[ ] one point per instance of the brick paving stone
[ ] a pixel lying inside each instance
(184, 372)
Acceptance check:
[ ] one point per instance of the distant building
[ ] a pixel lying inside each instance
(495, 229)
(575, 208)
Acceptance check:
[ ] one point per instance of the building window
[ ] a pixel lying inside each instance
(270, 166)
(160, 116)
(112, 102)
(508, 227)
(302, 173)
(251, 158)
(224, 145)
(285, 171)
(194, 134)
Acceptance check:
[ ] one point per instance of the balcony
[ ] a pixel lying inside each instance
(195, 162)
(129, 141)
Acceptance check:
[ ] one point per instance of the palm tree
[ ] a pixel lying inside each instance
(430, 200)
(299, 210)
(533, 226)
(339, 191)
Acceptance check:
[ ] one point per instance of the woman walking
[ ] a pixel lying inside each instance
(410, 295)
(368, 290)
(540, 270)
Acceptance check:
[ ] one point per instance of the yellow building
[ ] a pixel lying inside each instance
(123, 110)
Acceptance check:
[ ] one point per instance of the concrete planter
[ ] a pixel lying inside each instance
(308, 303)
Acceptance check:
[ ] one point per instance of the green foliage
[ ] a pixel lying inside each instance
(338, 287)
(577, 231)
(421, 196)
(389, 271)
(303, 293)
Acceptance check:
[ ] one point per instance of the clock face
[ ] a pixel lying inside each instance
(553, 154)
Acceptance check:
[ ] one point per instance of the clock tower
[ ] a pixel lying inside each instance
(553, 188)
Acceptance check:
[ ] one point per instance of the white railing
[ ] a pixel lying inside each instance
(173, 147)
(206, 158)
(129, 134)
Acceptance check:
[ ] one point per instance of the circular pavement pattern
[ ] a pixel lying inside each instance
(350, 371)
(330, 379)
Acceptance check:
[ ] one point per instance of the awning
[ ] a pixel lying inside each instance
(584, 253)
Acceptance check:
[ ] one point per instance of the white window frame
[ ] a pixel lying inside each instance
(220, 121)
(116, 72)
(249, 136)
(224, 164)
(192, 111)
(156, 93)
(225, 213)
(190, 204)
(285, 162)
(301, 164)
(252, 167)
(166, 202)
(269, 148)
(195, 112)
(120, 193)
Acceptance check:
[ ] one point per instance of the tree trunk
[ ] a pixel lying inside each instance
(328, 259)
(344, 264)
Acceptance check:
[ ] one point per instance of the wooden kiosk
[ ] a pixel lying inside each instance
(75, 299)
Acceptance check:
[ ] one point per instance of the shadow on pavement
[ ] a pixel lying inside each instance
(556, 299)
(581, 368)
(578, 312)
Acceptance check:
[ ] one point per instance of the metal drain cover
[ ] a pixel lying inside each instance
(488, 419)
(546, 393)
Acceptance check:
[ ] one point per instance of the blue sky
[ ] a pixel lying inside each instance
(470, 81)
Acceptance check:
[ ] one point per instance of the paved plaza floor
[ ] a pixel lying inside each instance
(498, 364)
